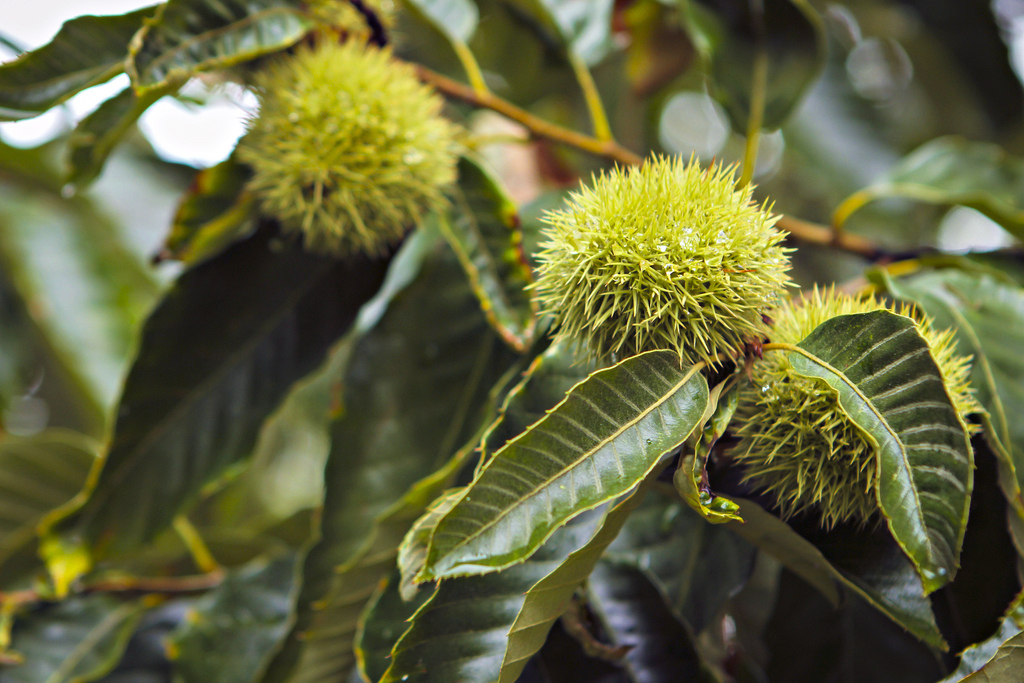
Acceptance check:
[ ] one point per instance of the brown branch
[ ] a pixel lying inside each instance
(167, 585)
(810, 233)
(537, 126)
(803, 231)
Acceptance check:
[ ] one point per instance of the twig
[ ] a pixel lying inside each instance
(608, 149)
(801, 230)
(812, 233)
(166, 585)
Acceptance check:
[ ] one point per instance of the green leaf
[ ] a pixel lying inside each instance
(382, 624)
(209, 370)
(633, 613)
(84, 287)
(988, 317)
(189, 36)
(889, 385)
(695, 566)
(544, 385)
(228, 632)
(412, 554)
(97, 134)
(548, 599)
(872, 566)
(691, 479)
(20, 356)
(603, 439)
(75, 640)
(484, 628)
(416, 390)
(998, 659)
(788, 36)
(456, 20)
(37, 474)
(583, 28)
(484, 231)
(87, 50)
(811, 640)
(215, 213)
(461, 633)
(951, 170)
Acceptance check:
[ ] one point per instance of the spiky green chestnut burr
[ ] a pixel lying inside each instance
(343, 16)
(797, 444)
(666, 255)
(349, 148)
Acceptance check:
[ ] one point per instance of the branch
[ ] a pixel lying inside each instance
(166, 585)
(539, 127)
(812, 233)
(803, 231)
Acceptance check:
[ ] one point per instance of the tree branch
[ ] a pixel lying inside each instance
(537, 126)
(800, 230)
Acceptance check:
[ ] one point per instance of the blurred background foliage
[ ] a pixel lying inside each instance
(853, 89)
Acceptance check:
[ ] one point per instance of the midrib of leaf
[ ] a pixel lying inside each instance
(905, 463)
(233, 361)
(582, 457)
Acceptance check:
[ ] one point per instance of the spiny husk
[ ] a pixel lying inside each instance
(797, 443)
(666, 255)
(343, 16)
(349, 148)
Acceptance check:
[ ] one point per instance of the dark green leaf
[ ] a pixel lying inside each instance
(215, 213)
(189, 36)
(952, 170)
(889, 385)
(86, 51)
(691, 479)
(602, 440)
(416, 390)
(810, 640)
(20, 357)
(544, 386)
(788, 35)
(230, 631)
(83, 286)
(78, 639)
(97, 134)
(549, 598)
(481, 629)
(999, 659)
(695, 565)
(633, 613)
(37, 474)
(382, 624)
(484, 231)
(210, 369)
(461, 633)
(412, 554)
(988, 317)
(871, 566)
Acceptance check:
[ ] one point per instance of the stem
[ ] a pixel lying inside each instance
(801, 230)
(201, 554)
(757, 101)
(598, 117)
(471, 67)
(811, 233)
(608, 149)
(853, 203)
